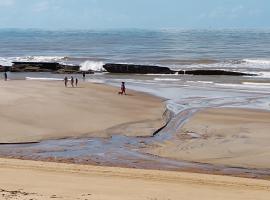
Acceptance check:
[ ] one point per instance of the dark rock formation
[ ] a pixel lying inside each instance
(71, 69)
(214, 72)
(34, 67)
(46, 67)
(67, 69)
(147, 69)
(4, 68)
(137, 69)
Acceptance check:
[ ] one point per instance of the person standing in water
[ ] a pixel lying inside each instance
(5, 76)
(83, 74)
(123, 88)
(76, 82)
(72, 81)
(66, 81)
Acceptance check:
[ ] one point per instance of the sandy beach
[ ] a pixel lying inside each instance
(32, 111)
(68, 181)
(227, 136)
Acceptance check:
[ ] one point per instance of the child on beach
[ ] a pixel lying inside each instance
(76, 82)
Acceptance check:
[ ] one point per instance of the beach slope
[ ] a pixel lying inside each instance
(69, 181)
(31, 111)
(225, 136)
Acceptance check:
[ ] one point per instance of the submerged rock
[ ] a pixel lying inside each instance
(137, 69)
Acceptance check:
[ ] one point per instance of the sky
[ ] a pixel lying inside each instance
(141, 14)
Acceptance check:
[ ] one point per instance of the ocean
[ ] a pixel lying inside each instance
(238, 50)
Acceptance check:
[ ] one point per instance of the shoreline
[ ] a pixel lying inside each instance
(188, 167)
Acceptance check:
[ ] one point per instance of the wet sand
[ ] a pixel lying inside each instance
(32, 111)
(68, 181)
(225, 136)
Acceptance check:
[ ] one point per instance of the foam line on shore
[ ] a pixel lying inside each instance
(42, 79)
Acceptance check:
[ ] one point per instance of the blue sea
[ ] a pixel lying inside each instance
(239, 50)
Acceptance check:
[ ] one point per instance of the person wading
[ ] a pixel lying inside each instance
(66, 81)
(72, 81)
(5, 76)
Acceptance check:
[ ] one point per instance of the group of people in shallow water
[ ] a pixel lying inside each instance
(76, 81)
(72, 81)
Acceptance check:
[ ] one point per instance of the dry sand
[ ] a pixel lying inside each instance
(227, 136)
(31, 111)
(26, 180)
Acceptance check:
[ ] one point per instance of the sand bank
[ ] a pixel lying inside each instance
(68, 181)
(227, 136)
(31, 111)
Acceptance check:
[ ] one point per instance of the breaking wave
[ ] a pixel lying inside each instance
(92, 65)
(257, 61)
(7, 61)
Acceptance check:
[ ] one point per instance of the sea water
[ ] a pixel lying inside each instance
(246, 50)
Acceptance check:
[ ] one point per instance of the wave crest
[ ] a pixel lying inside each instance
(257, 61)
(92, 65)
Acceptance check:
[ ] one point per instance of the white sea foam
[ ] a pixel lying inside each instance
(230, 85)
(96, 81)
(245, 85)
(205, 82)
(92, 65)
(7, 61)
(40, 58)
(263, 75)
(257, 61)
(166, 79)
(256, 84)
(43, 79)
